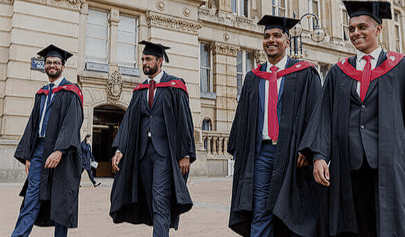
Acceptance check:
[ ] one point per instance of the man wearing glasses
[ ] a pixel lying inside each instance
(49, 150)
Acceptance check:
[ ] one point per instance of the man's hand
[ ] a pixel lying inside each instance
(116, 160)
(184, 165)
(27, 166)
(321, 172)
(53, 159)
(302, 161)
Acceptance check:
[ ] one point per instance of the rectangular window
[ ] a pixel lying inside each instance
(205, 68)
(127, 41)
(244, 64)
(240, 7)
(345, 25)
(278, 8)
(313, 7)
(97, 37)
(398, 31)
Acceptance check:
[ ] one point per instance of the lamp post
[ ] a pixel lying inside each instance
(317, 35)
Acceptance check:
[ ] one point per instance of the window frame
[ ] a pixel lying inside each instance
(209, 68)
(92, 58)
(245, 69)
(121, 63)
(236, 7)
(398, 27)
(277, 7)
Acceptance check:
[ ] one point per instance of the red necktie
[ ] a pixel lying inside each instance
(272, 105)
(151, 92)
(365, 78)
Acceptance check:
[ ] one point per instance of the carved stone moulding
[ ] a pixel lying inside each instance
(186, 11)
(226, 49)
(172, 23)
(260, 56)
(70, 4)
(160, 5)
(114, 87)
(9, 2)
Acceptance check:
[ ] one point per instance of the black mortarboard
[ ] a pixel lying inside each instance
(283, 23)
(157, 50)
(54, 51)
(375, 9)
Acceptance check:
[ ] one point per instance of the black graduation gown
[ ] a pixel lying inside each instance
(292, 189)
(327, 135)
(59, 187)
(128, 203)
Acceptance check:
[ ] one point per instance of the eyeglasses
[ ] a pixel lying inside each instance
(50, 63)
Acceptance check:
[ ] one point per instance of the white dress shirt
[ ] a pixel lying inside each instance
(360, 62)
(281, 65)
(55, 84)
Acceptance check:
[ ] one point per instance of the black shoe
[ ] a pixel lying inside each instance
(96, 184)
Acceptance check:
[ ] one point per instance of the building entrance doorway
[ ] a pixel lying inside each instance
(106, 122)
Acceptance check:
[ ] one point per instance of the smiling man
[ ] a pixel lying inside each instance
(275, 105)
(155, 147)
(358, 128)
(49, 148)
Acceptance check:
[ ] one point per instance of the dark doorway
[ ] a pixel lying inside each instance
(106, 121)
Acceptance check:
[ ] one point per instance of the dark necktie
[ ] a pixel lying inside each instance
(366, 76)
(46, 110)
(272, 105)
(151, 92)
(50, 93)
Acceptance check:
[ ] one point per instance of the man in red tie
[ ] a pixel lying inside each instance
(155, 146)
(357, 132)
(274, 107)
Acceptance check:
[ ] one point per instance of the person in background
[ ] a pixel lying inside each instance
(87, 158)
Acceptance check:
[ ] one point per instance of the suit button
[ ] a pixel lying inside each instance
(151, 116)
(362, 126)
(363, 106)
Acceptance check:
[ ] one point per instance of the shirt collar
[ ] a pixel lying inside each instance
(158, 77)
(281, 64)
(58, 81)
(375, 54)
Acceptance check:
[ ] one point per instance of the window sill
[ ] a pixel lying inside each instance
(208, 95)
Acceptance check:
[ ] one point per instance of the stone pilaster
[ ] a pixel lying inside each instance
(224, 75)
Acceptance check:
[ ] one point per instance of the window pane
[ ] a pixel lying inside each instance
(249, 61)
(239, 62)
(204, 80)
(126, 46)
(126, 54)
(96, 37)
(97, 31)
(204, 55)
(233, 3)
(239, 78)
(246, 8)
(97, 18)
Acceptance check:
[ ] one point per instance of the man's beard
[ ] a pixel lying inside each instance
(54, 75)
(151, 71)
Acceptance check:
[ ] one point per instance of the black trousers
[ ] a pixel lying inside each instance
(365, 198)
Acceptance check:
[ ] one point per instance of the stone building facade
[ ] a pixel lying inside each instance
(213, 44)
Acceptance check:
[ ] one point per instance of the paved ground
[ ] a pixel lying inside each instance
(209, 216)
